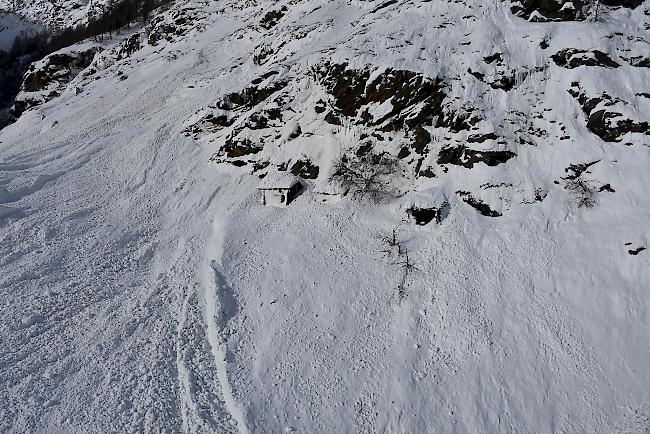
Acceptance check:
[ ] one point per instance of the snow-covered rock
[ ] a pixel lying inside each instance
(49, 77)
(144, 288)
(54, 14)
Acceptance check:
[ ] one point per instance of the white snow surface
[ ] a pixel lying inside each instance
(53, 14)
(282, 180)
(143, 288)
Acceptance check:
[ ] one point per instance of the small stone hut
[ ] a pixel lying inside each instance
(279, 188)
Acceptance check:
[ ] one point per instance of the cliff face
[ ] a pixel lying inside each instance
(467, 251)
(49, 77)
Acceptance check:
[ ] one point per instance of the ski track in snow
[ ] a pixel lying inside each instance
(144, 289)
(116, 316)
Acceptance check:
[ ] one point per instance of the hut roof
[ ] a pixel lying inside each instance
(275, 180)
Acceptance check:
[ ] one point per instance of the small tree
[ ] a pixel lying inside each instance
(371, 175)
(408, 267)
(584, 194)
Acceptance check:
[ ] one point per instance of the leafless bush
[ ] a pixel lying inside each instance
(392, 242)
(584, 193)
(371, 175)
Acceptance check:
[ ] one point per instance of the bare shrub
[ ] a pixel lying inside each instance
(583, 192)
(371, 175)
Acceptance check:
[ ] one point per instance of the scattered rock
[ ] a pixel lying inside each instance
(272, 18)
(572, 58)
(463, 156)
(478, 205)
(424, 216)
(48, 78)
(636, 251)
(606, 187)
(603, 120)
(305, 169)
(549, 10)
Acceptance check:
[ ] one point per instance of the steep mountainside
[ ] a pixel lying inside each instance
(468, 252)
(54, 14)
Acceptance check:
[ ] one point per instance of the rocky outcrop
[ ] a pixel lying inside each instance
(272, 18)
(572, 58)
(549, 10)
(632, 4)
(174, 24)
(504, 80)
(465, 157)
(409, 100)
(639, 61)
(392, 101)
(305, 169)
(480, 206)
(48, 78)
(605, 115)
(563, 10)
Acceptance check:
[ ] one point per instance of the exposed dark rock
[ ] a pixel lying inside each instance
(572, 58)
(549, 10)
(503, 80)
(296, 132)
(610, 127)
(423, 216)
(540, 195)
(272, 18)
(421, 139)
(415, 99)
(457, 121)
(463, 156)
(48, 78)
(234, 147)
(639, 61)
(562, 10)
(403, 153)
(480, 138)
(320, 107)
(173, 25)
(633, 4)
(129, 46)
(478, 75)
(606, 187)
(496, 57)
(478, 205)
(61, 67)
(602, 120)
(305, 169)
(331, 118)
(261, 78)
(364, 149)
(426, 173)
(575, 170)
(252, 95)
(636, 251)
(384, 5)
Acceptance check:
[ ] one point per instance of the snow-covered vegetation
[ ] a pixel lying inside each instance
(467, 251)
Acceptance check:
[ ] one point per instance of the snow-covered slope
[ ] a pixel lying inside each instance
(12, 25)
(55, 14)
(143, 286)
